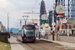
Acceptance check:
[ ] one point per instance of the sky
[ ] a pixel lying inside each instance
(16, 9)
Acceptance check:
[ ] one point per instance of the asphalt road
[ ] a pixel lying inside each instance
(43, 45)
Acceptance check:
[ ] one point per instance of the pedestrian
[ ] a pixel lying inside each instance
(9, 35)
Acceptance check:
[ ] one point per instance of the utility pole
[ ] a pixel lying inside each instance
(32, 17)
(53, 20)
(8, 21)
(39, 21)
(39, 16)
(24, 19)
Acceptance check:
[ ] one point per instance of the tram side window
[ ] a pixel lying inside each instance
(20, 32)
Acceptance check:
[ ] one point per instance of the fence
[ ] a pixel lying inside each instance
(66, 39)
(70, 39)
(4, 37)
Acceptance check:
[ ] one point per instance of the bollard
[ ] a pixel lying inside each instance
(53, 35)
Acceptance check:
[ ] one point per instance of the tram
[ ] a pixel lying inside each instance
(26, 33)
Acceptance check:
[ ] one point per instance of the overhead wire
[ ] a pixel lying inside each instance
(34, 5)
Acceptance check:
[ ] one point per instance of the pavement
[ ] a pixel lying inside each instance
(16, 45)
(60, 42)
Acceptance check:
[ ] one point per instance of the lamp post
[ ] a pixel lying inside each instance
(8, 21)
(24, 19)
(53, 20)
(39, 20)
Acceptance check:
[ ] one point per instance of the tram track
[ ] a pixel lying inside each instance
(52, 46)
(31, 46)
(37, 46)
(42, 47)
(43, 43)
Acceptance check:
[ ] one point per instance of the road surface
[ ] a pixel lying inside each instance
(43, 45)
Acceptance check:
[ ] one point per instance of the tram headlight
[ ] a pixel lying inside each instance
(24, 37)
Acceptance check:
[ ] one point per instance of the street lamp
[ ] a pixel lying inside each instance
(24, 19)
(53, 20)
(8, 21)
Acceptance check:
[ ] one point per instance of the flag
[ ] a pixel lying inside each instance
(56, 1)
(42, 10)
(50, 18)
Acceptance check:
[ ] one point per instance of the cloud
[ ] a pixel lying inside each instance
(3, 3)
(11, 7)
(16, 9)
(6, 6)
(24, 3)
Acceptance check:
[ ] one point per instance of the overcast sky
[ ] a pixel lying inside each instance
(15, 8)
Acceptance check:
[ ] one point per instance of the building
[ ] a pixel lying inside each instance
(72, 9)
(2, 27)
(13, 30)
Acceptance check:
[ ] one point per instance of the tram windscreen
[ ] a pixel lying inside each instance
(29, 31)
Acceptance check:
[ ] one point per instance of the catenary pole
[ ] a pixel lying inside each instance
(8, 21)
(53, 20)
(39, 20)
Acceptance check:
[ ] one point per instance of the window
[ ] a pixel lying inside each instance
(63, 26)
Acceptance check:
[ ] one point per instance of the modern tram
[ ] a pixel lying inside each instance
(26, 33)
